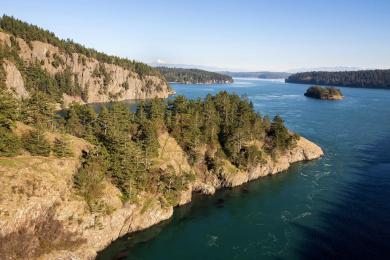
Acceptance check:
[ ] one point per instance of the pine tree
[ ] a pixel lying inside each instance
(61, 148)
(210, 127)
(73, 124)
(281, 138)
(36, 143)
(9, 110)
(38, 110)
(9, 143)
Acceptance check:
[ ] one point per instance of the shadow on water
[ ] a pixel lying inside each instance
(358, 225)
(201, 207)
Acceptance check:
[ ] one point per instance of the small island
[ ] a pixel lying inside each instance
(326, 93)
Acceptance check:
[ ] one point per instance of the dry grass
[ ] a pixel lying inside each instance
(43, 235)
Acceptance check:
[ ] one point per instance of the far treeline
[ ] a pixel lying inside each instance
(193, 76)
(358, 79)
(258, 74)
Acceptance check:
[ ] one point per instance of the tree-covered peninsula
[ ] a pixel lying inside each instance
(358, 79)
(83, 177)
(194, 76)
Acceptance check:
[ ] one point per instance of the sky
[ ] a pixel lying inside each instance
(277, 35)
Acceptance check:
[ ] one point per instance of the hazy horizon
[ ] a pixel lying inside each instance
(245, 36)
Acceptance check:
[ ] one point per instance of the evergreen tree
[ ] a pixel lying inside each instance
(147, 139)
(9, 110)
(38, 110)
(210, 126)
(73, 124)
(61, 148)
(89, 180)
(9, 143)
(281, 138)
(36, 143)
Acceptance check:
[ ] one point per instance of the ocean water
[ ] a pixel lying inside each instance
(337, 207)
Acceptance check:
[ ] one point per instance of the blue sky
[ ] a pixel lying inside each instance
(241, 35)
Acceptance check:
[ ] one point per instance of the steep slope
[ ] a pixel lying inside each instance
(43, 217)
(86, 77)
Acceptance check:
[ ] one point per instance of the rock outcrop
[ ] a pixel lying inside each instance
(43, 217)
(116, 83)
(325, 93)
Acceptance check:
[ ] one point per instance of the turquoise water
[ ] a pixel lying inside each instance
(334, 207)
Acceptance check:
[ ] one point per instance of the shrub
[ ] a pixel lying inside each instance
(9, 143)
(61, 148)
(89, 180)
(36, 144)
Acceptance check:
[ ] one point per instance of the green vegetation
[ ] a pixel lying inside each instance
(258, 74)
(9, 143)
(194, 76)
(323, 93)
(67, 83)
(38, 110)
(36, 143)
(226, 125)
(89, 180)
(229, 127)
(31, 33)
(221, 133)
(9, 111)
(61, 148)
(358, 79)
(38, 79)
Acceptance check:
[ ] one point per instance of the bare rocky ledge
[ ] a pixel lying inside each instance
(42, 217)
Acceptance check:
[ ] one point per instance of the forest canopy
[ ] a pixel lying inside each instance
(211, 131)
(358, 79)
(193, 76)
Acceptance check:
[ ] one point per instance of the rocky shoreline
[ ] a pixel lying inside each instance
(41, 217)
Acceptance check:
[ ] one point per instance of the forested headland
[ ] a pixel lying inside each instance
(358, 79)
(125, 143)
(29, 33)
(35, 60)
(193, 76)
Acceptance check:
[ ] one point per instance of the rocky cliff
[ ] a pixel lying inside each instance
(99, 81)
(43, 217)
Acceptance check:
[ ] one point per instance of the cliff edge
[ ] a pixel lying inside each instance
(67, 76)
(43, 217)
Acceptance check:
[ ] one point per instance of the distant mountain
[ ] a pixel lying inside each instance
(358, 79)
(258, 74)
(193, 76)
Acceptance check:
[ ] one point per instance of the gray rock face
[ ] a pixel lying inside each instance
(122, 83)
